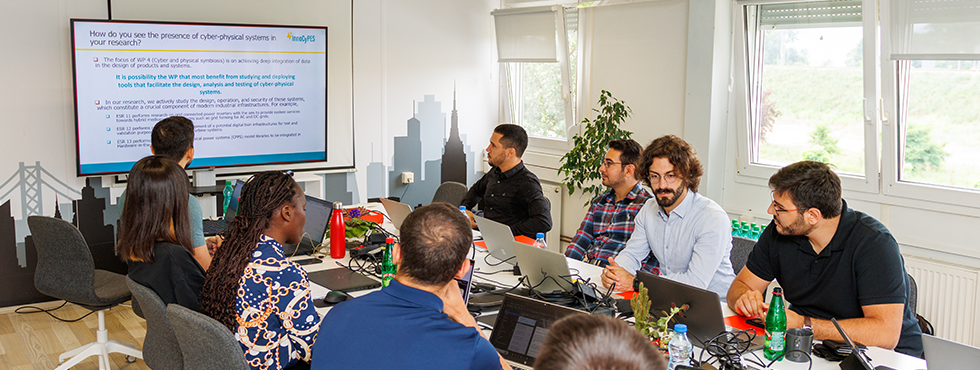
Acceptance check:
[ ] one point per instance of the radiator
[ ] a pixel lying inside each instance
(947, 297)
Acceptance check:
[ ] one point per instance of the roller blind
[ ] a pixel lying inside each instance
(810, 14)
(935, 29)
(526, 35)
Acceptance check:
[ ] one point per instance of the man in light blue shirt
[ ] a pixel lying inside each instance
(686, 236)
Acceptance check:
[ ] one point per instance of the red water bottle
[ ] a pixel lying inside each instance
(338, 232)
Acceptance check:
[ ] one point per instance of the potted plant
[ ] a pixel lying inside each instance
(657, 329)
(581, 164)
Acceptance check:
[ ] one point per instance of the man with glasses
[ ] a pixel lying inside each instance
(609, 222)
(831, 261)
(682, 235)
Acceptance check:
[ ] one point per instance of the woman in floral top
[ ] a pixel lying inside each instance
(251, 288)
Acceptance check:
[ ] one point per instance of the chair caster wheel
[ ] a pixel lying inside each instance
(130, 359)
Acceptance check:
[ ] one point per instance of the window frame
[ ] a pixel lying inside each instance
(756, 173)
(891, 159)
(567, 87)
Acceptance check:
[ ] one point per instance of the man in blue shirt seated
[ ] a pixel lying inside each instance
(420, 320)
(682, 235)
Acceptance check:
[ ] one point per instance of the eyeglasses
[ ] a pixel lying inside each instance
(607, 163)
(671, 178)
(778, 208)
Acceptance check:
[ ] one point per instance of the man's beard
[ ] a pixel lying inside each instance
(670, 200)
(798, 227)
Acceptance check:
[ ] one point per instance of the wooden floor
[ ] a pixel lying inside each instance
(34, 341)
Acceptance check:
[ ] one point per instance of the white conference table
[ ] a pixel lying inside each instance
(485, 273)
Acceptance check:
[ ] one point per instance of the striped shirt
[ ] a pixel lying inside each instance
(607, 226)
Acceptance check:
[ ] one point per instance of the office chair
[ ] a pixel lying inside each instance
(66, 270)
(741, 247)
(160, 348)
(204, 342)
(450, 192)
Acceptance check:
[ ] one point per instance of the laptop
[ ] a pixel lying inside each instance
(466, 282)
(946, 354)
(498, 239)
(396, 211)
(862, 357)
(213, 227)
(342, 279)
(546, 271)
(704, 318)
(317, 217)
(521, 326)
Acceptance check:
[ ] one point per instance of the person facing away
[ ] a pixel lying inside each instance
(251, 288)
(609, 221)
(419, 321)
(831, 261)
(683, 236)
(173, 137)
(509, 193)
(597, 342)
(155, 235)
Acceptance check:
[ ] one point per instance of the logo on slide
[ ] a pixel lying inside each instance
(297, 38)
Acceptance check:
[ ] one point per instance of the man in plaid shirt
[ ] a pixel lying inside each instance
(609, 223)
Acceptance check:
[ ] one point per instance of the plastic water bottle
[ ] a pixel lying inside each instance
(462, 209)
(227, 194)
(679, 348)
(539, 242)
(736, 228)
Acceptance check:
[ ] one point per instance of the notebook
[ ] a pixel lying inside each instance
(546, 271)
(704, 319)
(317, 217)
(498, 238)
(946, 354)
(396, 211)
(342, 279)
(213, 227)
(521, 326)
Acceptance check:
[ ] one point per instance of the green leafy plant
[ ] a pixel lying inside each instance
(657, 329)
(581, 164)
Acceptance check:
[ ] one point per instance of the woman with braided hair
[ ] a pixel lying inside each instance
(251, 288)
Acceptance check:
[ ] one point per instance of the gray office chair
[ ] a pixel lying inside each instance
(450, 192)
(204, 342)
(66, 270)
(160, 348)
(741, 247)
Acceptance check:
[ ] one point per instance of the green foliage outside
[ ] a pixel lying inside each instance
(825, 105)
(543, 107)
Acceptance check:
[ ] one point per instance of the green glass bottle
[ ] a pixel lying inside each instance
(388, 267)
(775, 326)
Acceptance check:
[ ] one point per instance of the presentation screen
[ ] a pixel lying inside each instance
(257, 94)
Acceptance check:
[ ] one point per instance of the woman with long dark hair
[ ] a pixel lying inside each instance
(252, 288)
(155, 232)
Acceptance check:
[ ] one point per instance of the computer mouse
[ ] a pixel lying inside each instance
(335, 297)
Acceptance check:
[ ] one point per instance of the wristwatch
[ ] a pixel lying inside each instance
(806, 323)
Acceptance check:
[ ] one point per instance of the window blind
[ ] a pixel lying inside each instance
(526, 35)
(810, 14)
(934, 29)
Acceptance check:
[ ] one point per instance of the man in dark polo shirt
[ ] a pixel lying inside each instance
(510, 193)
(831, 261)
(419, 321)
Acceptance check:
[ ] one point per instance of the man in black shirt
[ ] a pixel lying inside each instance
(510, 193)
(832, 262)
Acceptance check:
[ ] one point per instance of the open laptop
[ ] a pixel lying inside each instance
(213, 227)
(466, 282)
(521, 326)
(861, 357)
(342, 279)
(396, 211)
(546, 271)
(704, 318)
(946, 354)
(317, 217)
(498, 239)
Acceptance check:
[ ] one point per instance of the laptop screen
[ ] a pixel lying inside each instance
(233, 202)
(703, 318)
(317, 216)
(521, 326)
(466, 281)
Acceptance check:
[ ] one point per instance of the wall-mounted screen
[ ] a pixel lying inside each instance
(257, 94)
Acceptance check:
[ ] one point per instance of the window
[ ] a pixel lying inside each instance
(540, 96)
(805, 87)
